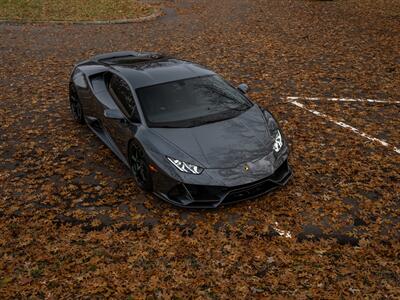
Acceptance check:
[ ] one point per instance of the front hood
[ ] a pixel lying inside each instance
(224, 144)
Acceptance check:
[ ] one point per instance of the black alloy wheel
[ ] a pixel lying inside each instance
(75, 105)
(139, 166)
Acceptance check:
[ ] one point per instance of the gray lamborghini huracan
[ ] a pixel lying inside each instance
(188, 136)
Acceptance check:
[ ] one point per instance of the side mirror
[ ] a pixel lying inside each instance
(244, 88)
(113, 114)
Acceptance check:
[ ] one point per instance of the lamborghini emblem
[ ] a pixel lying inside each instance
(246, 168)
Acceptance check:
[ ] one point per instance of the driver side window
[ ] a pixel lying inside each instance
(120, 91)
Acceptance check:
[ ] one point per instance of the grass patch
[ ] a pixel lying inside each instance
(72, 10)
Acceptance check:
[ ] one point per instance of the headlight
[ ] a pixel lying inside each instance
(185, 167)
(274, 132)
(278, 141)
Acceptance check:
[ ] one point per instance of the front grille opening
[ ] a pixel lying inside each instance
(178, 194)
(205, 193)
(199, 195)
(281, 172)
(250, 192)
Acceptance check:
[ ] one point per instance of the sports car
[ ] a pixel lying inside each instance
(187, 135)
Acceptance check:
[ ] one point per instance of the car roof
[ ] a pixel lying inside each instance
(146, 69)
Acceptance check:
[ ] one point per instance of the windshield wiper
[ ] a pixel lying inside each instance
(216, 117)
(242, 108)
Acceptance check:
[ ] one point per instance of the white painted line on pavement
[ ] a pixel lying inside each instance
(344, 125)
(343, 100)
(281, 232)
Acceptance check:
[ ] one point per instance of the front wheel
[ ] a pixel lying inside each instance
(75, 105)
(138, 163)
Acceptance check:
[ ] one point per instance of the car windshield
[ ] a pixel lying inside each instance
(191, 102)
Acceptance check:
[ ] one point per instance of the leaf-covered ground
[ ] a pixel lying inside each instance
(72, 10)
(73, 223)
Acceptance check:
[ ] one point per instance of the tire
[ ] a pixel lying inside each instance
(75, 105)
(139, 165)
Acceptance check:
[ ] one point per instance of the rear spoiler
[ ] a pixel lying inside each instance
(127, 54)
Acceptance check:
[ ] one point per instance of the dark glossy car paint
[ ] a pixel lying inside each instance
(236, 154)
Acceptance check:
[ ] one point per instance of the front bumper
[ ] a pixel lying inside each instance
(208, 196)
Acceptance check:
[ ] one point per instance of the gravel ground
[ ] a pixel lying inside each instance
(73, 223)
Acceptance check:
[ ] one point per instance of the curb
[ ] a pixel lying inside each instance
(151, 17)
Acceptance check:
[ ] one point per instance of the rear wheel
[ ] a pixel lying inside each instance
(138, 163)
(75, 105)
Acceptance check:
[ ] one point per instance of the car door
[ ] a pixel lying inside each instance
(123, 129)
